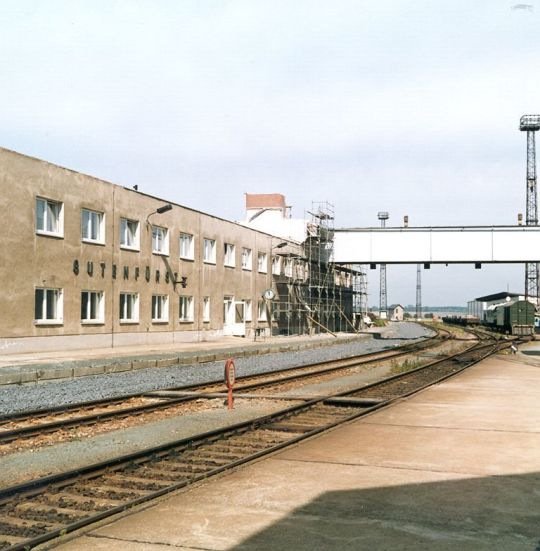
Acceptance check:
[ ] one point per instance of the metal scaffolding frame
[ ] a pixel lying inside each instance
(313, 293)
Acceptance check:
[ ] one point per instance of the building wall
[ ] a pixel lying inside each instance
(29, 260)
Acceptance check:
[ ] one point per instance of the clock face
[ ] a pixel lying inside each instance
(269, 294)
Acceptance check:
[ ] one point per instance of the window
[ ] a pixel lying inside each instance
(288, 267)
(160, 240)
(92, 307)
(48, 306)
(261, 310)
(129, 307)
(206, 309)
(229, 255)
(129, 234)
(276, 265)
(160, 308)
(186, 308)
(262, 263)
(186, 246)
(49, 217)
(248, 310)
(246, 259)
(92, 226)
(209, 251)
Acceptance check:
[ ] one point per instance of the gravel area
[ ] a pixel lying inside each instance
(84, 450)
(16, 398)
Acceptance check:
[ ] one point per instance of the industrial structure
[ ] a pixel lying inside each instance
(418, 291)
(383, 299)
(531, 124)
(330, 296)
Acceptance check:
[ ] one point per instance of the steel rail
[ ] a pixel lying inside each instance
(7, 436)
(182, 462)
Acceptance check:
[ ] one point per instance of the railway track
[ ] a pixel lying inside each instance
(47, 421)
(38, 511)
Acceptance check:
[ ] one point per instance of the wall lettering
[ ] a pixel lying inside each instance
(169, 276)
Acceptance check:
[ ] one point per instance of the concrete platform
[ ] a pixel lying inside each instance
(455, 467)
(47, 366)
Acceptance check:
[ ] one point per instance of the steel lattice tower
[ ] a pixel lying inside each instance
(418, 291)
(531, 124)
(383, 305)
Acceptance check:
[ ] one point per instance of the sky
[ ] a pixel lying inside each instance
(408, 107)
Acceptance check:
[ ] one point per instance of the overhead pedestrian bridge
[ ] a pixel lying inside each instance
(437, 245)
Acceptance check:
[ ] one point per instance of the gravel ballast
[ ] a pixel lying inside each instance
(15, 398)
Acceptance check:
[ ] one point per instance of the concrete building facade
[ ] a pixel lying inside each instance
(86, 263)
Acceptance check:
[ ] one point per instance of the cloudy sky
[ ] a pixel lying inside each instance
(409, 107)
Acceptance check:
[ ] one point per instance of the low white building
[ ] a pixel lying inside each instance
(396, 312)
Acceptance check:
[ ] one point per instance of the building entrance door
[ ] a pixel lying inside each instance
(239, 328)
(228, 315)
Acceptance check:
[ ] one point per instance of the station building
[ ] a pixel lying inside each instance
(86, 263)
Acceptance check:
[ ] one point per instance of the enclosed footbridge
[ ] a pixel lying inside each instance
(437, 245)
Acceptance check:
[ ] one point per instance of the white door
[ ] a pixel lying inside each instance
(228, 315)
(239, 327)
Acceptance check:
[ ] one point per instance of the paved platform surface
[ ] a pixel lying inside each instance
(455, 467)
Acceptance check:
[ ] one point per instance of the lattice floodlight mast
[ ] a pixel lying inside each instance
(531, 124)
(383, 304)
(418, 291)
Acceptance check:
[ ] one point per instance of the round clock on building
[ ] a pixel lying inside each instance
(269, 294)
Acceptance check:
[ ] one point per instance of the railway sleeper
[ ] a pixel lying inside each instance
(14, 526)
(111, 492)
(133, 482)
(7, 541)
(39, 512)
(201, 459)
(185, 466)
(173, 476)
(63, 499)
(290, 428)
(225, 454)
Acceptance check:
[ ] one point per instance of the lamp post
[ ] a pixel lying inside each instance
(160, 210)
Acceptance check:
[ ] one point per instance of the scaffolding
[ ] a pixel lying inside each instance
(314, 294)
(360, 294)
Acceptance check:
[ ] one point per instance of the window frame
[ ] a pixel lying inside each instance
(60, 219)
(100, 320)
(212, 258)
(247, 259)
(276, 265)
(101, 227)
(229, 255)
(288, 269)
(59, 306)
(137, 245)
(134, 307)
(164, 308)
(190, 318)
(191, 252)
(248, 310)
(261, 310)
(165, 242)
(206, 310)
(260, 268)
